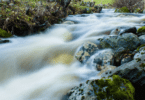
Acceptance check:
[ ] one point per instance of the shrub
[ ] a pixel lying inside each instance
(130, 4)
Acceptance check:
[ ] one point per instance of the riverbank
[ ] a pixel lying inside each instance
(26, 18)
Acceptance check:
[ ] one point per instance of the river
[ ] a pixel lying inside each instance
(43, 66)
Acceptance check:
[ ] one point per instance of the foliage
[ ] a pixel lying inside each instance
(130, 4)
(122, 10)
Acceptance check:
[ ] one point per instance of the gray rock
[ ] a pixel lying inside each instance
(102, 58)
(85, 51)
(115, 32)
(142, 39)
(127, 41)
(126, 59)
(134, 72)
(91, 88)
(4, 41)
(129, 30)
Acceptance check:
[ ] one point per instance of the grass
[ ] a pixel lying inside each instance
(99, 1)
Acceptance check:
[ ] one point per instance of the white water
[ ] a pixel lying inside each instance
(43, 66)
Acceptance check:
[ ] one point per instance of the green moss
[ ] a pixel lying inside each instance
(122, 10)
(138, 74)
(142, 65)
(138, 59)
(4, 33)
(141, 29)
(113, 90)
(140, 47)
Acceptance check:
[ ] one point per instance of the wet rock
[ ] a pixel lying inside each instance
(103, 89)
(4, 41)
(134, 72)
(142, 39)
(107, 68)
(127, 41)
(102, 58)
(85, 51)
(115, 32)
(122, 56)
(126, 59)
(129, 30)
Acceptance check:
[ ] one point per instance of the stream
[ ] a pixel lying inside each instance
(43, 66)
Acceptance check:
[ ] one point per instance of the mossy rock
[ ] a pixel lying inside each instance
(122, 10)
(138, 10)
(4, 33)
(141, 29)
(143, 45)
(114, 89)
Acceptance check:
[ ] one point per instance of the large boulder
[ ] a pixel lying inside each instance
(85, 51)
(128, 41)
(134, 72)
(115, 88)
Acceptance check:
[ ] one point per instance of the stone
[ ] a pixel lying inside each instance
(85, 51)
(142, 39)
(129, 30)
(4, 41)
(128, 41)
(113, 88)
(115, 32)
(102, 58)
(134, 72)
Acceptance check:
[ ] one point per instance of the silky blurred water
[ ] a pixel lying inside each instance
(43, 66)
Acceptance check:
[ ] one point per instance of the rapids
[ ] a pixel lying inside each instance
(43, 66)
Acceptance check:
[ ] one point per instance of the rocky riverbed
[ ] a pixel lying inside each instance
(73, 59)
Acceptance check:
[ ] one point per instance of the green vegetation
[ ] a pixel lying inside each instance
(4, 33)
(141, 29)
(122, 10)
(142, 65)
(140, 47)
(114, 89)
(103, 1)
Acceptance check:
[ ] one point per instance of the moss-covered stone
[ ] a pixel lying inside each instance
(142, 65)
(122, 10)
(141, 29)
(113, 90)
(4, 33)
(140, 47)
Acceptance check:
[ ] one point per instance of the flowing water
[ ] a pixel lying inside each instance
(43, 66)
